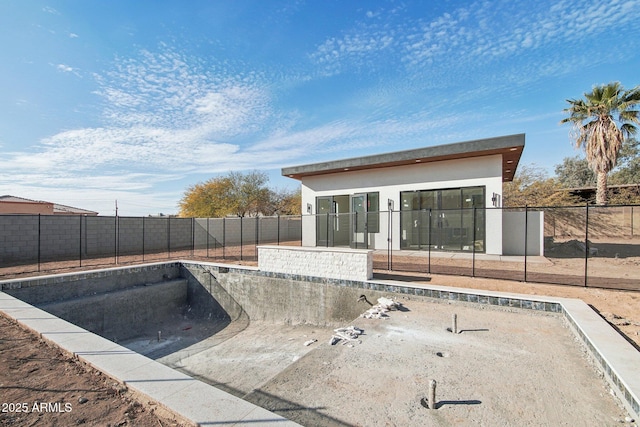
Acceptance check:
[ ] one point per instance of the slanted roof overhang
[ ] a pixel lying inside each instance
(510, 147)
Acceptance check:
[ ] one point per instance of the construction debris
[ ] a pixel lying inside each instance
(572, 248)
(308, 343)
(380, 310)
(346, 335)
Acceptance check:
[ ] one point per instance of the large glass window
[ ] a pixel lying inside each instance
(347, 220)
(443, 219)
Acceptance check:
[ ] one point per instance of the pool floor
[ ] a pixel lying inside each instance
(505, 367)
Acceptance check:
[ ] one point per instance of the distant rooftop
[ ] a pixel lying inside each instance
(510, 147)
(58, 209)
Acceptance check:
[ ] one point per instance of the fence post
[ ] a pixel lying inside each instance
(586, 244)
(207, 237)
(224, 238)
(169, 238)
(389, 232)
(473, 245)
(278, 228)
(257, 235)
(80, 241)
(193, 236)
(143, 238)
(39, 241)
(327, 240)
(355, 227)
(429, 241)
(526, 229)
(116, 220)
(241, 240)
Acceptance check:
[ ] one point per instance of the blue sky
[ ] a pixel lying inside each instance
(135, 101)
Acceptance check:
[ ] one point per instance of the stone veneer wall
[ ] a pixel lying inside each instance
(334, 263)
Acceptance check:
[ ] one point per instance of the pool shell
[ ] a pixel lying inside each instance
(612, 354)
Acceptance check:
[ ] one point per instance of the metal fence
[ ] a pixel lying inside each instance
(37, 243)
(587, 246)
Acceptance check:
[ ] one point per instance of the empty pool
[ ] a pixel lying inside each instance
(266, 339)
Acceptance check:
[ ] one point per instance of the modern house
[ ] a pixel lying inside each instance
(19, 205)
(437, 198)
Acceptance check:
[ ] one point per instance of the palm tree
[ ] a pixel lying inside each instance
(601, 122)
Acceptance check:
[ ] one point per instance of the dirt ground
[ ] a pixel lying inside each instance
(42, 386)
(33, 372)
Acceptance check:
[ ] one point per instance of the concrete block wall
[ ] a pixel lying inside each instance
(60, 237)
(130, 236)
(335, 263)
(18, 239)
(218, 231)
(99, 236)
(26, 238)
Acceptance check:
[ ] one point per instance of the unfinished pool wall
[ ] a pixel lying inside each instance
(278, 298)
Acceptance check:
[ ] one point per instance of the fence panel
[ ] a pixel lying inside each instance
(156, 238)
(580, 246)
(565, 231)
(232, 243)
(60, 238)
(268, 230)
(19, 240)
(249, 237)
(217, 236)
(181, 235)
(99, 240)
(130, 235)
(613, 248)
(201, 236)
(290, 230)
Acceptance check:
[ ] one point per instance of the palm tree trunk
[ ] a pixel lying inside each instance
(601, 189)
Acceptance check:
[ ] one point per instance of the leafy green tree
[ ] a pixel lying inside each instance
(628, 169)
(238, 194)
(601, 122)
(574, 172)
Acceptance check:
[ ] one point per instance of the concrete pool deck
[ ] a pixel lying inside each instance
(203, 404)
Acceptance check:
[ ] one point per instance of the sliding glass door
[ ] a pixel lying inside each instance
(443, 219)
(332, 221)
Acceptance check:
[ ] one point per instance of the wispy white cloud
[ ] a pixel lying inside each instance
(51, 10)
(160, 112)
(480, 33)
(64, 68)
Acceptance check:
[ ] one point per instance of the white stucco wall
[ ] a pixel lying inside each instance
(514, 233)
(389, 182)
